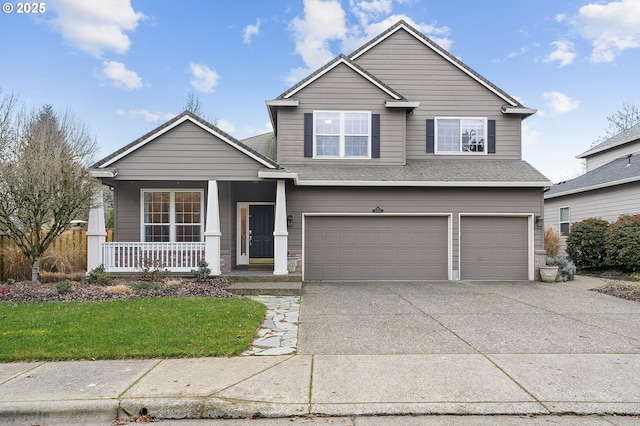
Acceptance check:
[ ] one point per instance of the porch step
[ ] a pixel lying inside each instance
(261, 277)
(269, 288)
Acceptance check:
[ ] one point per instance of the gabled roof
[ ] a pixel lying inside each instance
(627, 136)
(174, 122)
(617, 172)
(341, 60)
(429, 173)
(446, 55)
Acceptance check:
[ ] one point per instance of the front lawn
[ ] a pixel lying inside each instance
(133, 328)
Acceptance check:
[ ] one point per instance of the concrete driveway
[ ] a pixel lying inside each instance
(555, 347)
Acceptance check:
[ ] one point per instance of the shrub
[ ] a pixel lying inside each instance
(566, 268)
(586, 243)
(552, 241)
(98, 275)
(63, 286)
(622, 243)
(153, 270)
(203, 271)
(117, 289)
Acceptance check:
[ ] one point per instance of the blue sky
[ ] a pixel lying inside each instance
(125, 66)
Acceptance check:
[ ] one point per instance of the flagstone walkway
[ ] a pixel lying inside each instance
(278, 334)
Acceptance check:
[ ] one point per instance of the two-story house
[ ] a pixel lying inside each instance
(609, 188)
(397, 162)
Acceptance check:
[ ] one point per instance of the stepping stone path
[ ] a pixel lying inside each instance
(278, 334)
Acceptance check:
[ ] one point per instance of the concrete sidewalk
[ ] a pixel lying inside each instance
(398, 349)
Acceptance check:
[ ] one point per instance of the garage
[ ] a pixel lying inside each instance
(376, 247)
(494, 247)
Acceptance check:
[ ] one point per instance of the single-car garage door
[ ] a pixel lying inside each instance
(376, 247)
(494, 248)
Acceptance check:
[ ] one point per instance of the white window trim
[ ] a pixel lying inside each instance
(486, 136)
(341, 155)
(172, 210)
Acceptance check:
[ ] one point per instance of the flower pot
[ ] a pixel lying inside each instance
(292, 264)
(548, 274)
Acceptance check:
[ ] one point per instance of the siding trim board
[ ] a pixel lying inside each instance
(448, 216)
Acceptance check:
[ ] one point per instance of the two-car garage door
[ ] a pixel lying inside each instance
(376, 247)
(387, 247)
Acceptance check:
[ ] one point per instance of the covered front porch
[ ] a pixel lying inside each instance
(245, 224)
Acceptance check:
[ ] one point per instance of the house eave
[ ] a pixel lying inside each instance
(283, 103)
(408, 105)
(440, 184)
(103, 173)
(518, 111)
(592, 187)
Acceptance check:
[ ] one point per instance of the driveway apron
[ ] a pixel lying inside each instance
(470, 347)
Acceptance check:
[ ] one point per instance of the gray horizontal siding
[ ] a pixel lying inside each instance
(187, 152)
(341, 89)
(442, 89)
(607, 204)
(605, 157)
(411, 200)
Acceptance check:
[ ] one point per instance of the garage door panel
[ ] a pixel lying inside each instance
(494, 248)
(386, 247)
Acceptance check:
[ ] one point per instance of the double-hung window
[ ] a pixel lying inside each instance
(342, 134)
(461, 135)
(172, 216)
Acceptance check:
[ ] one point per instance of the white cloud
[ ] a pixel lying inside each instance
(225, 126)
(204, 79)
(250, 31)
(611, 27)
(560, 17)
(323, 21)
(95, 26)
(559, 102)
(529, 135)
(249, 131)
(120, 76)
(147, 115)
(564, 53)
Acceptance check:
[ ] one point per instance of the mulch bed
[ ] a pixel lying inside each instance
(116, 288)
(623, 289)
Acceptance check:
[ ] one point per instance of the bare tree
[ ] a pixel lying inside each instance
(624, 118)
(194, 106)
(44, 183)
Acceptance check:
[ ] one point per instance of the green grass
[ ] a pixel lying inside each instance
(134, 328)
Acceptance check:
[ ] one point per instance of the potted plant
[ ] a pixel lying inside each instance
(548, 274)
(292, 263)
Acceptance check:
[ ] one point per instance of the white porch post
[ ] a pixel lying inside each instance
(96, 232)
(212, 232)
(280, 233)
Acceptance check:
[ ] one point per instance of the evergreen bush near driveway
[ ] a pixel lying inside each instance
(622, 243)
(586, 243)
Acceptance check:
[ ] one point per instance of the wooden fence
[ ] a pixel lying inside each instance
(71, 245)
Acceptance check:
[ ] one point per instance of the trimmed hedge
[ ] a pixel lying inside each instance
(622, 243)
(586, 243)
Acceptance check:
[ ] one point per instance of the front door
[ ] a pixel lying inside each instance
(261, 232)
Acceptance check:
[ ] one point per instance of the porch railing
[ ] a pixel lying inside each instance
(134, 257)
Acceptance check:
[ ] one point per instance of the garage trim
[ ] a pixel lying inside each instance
(449, 217)
(530, 237)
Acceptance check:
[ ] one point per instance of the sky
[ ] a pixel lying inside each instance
(123, 67)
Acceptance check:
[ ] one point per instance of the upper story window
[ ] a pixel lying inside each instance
(171, 216)
(461, 135)
(342, 134)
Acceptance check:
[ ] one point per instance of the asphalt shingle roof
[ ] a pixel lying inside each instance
(618, 171)
(629, 135)
(433, 171)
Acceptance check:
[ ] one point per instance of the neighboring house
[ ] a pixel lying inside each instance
(397, 162)
(609, 188)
